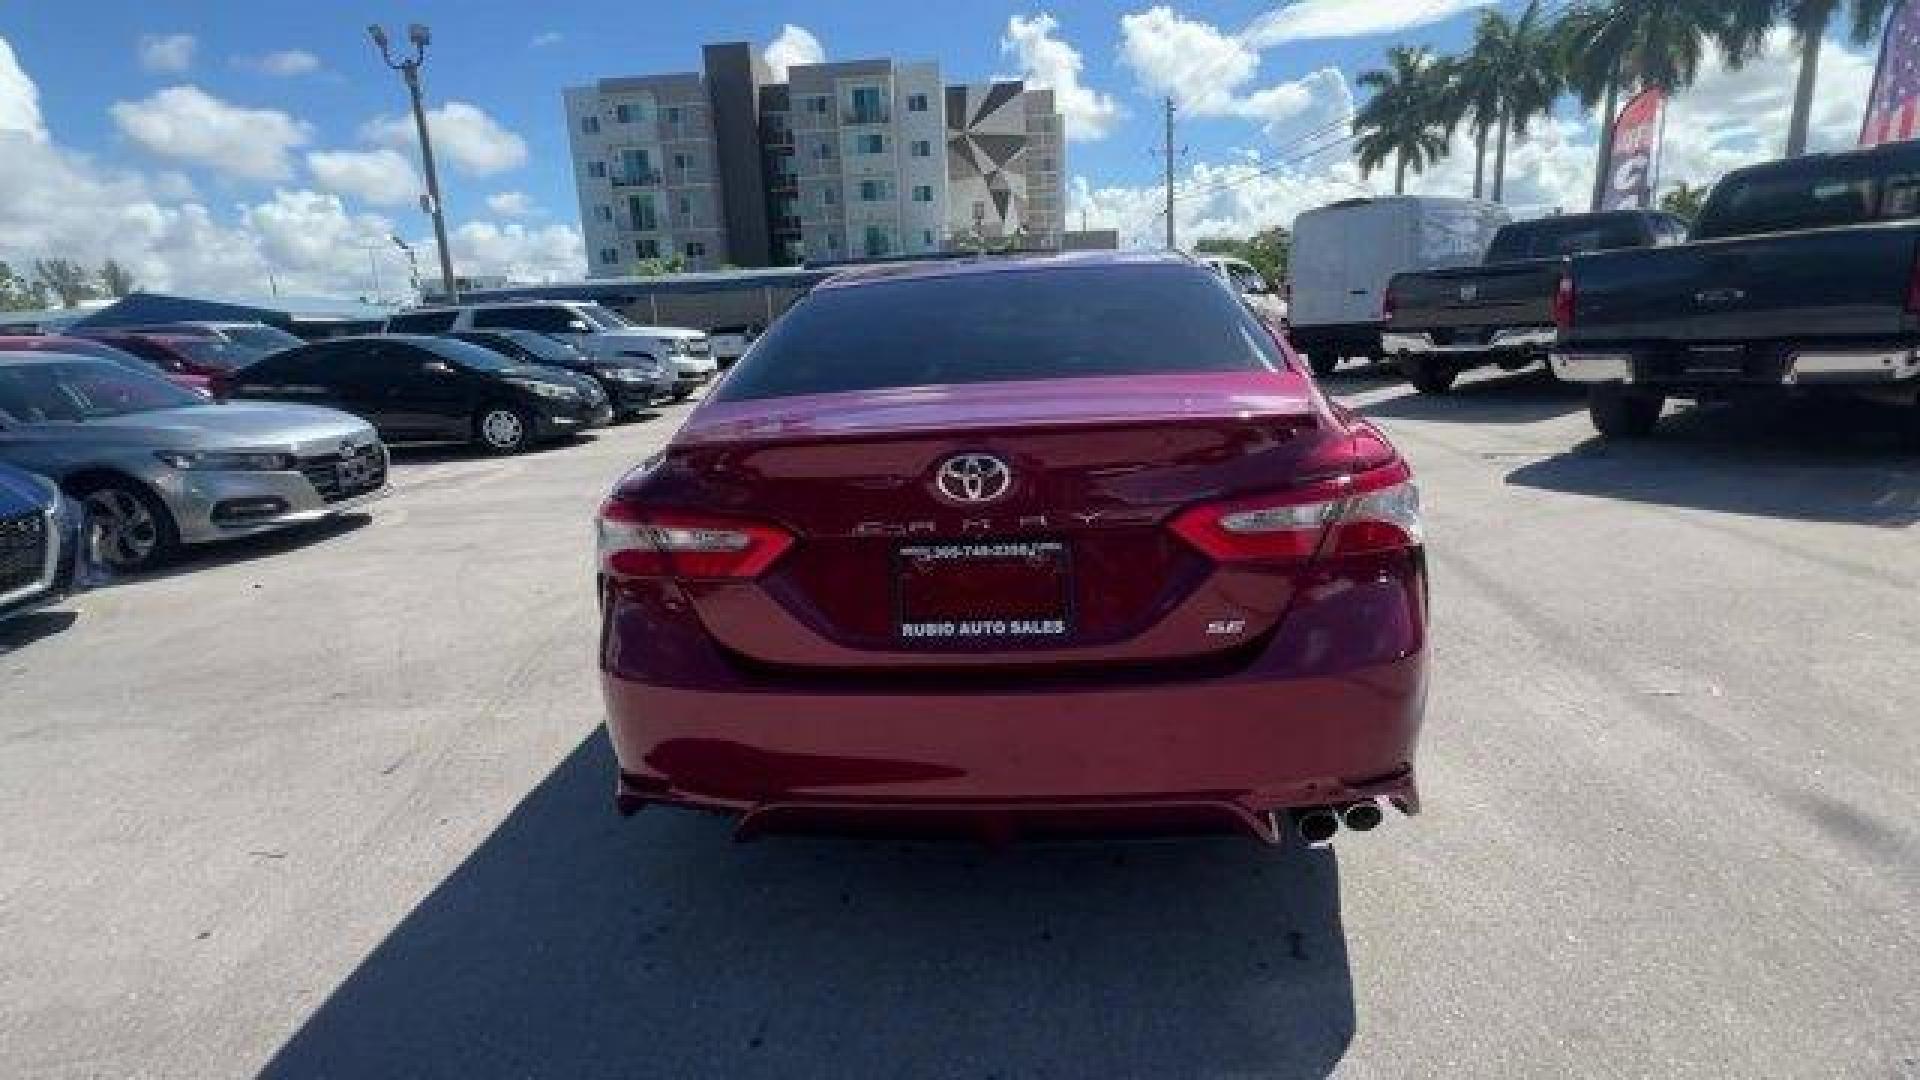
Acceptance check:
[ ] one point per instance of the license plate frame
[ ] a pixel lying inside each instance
(1045, 564)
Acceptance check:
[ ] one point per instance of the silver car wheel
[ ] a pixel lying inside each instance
(502, 429)
(124, 533)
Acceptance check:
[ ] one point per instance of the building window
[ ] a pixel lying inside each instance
(819, 103)
(922, 148)
(696, 249)
(878, 243)
(609, 256)
(916, 103)
(870, 142)
(603, 212)
(869, 107)
(823, 151)
(875, 191)
(686, 205)
(623, 113)
(680, 162)
(641, 210)
(926, 237)
(590, 125)
(647, 247)
(673, 115)
(637, 166)
(923, 193)
(597, 169)
(828, 196)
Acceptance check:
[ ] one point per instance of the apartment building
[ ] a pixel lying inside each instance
(850, 160)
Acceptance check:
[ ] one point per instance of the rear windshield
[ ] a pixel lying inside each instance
(1556, 238)
(262, 338)
(1053, 323)
(1811, 194)
(421, 322)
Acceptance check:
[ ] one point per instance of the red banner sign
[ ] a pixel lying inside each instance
(1636, 152)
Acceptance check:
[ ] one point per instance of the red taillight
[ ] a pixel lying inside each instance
(640, 543)
(1377, 509)
(1563, 298)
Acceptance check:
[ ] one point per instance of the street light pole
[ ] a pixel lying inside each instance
(409, 70)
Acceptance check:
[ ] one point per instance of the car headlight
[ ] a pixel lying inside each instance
(630, 374)
(679, 346)
(545, 390)
(225, 460)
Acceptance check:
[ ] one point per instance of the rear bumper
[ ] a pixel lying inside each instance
(1529, 341)
(1811, 368)
(1326, 712)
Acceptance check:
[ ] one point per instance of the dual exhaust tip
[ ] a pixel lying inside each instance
(1320, 825)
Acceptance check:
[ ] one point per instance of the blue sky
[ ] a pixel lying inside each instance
(249, 163)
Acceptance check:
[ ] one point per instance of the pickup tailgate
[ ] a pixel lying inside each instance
(1823, 285)
(1471, 300)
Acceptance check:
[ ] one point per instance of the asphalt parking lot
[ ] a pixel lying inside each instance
(336, 804)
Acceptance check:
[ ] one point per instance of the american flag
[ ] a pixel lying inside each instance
(1893, 113)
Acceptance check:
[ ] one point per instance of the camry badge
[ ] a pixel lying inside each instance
(973, 478)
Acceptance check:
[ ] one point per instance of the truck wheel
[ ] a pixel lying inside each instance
(1427, 376)
(1323, 363)
(1625, 414)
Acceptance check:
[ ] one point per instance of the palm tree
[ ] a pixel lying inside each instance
(1809, 20)
(1473, 98)
(1526, 74)
(1659, 43)
(1405, 119)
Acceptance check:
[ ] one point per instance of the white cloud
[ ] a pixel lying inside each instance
(19, 98)
(187, 123)
(1209, 73)
(511, 204)
(56, 202)
(381, 177)
(1046, 60)
(284, 63)
(519, 252)
(1307, 20)
(550, 37)
(463, 135)
(167, 52)
(793, 46)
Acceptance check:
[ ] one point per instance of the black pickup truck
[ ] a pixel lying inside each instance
(1442, 322)
(1800, 277)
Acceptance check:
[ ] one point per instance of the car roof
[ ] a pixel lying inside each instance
(934, 269)
(424, 308)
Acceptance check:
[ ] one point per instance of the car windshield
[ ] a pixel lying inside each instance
(1010, 325)
(32, 393)
(261, 338)
(213, 352)
(467, 355)
(604, 318)
(1558, 238)
(548, 350)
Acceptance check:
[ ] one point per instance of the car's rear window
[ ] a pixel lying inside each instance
(421, 322)
(1014, 325)
(1811, 194)
(1553, 238)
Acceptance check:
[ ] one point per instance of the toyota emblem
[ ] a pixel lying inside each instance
(973, 478)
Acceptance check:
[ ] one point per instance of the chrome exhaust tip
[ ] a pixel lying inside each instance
(1318, 827)
(1362, 816)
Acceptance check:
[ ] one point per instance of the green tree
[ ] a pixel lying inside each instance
(1405, 120)
(19, 294)
(1268, 251)
(1607, 48)
(1809, 20)
(1510, 78)
(1473, 98)
(65, 279)
(116, 279)
(1685, 200)
(671, 264)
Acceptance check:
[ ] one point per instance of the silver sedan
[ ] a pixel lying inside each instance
(159, 467)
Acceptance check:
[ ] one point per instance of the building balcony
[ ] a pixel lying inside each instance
(650, 178)
(850, 117)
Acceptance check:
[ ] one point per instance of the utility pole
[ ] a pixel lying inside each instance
(1171, 245)
(409, 70)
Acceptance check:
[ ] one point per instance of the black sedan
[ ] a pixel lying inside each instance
(632, 383)
(418, 388)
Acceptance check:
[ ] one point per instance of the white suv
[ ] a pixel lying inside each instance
(685, 359)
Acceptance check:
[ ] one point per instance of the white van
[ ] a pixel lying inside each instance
(1344, 255)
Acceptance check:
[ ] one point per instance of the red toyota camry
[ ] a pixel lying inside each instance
(1018, 546)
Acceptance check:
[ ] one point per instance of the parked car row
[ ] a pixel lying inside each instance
(1800, 278)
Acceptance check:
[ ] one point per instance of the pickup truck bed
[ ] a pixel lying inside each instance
(1442, 322)
(1803, 281)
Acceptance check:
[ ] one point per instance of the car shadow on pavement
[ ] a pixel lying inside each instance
(1490, 396)
(575, 944)
(241, 549)
(22, 630)
(1838, 461)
